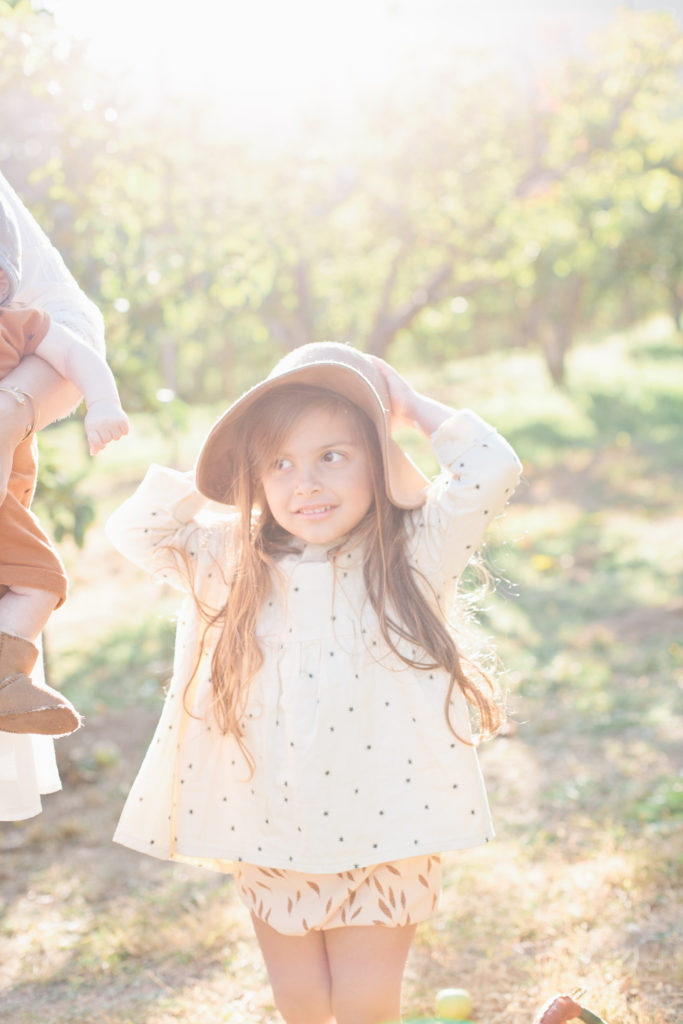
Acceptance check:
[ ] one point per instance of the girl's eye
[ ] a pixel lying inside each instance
(282, 464)
(332, 457)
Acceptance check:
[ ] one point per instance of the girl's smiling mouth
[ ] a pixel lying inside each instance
(315, 510)
(319, 478)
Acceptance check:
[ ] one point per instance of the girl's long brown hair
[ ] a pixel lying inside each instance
(407, 619)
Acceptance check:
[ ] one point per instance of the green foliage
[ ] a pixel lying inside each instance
(466, 210)
(60, 500)
(127, 668)
(462, 214)
(590, 631)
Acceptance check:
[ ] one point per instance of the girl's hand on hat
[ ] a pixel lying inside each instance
(409, 408)
(404, 399)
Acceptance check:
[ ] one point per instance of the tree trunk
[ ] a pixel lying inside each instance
(554, 351)
(387, 324)
(677, 309)
(557, 330)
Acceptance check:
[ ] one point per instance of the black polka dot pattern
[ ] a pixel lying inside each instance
(353, 761)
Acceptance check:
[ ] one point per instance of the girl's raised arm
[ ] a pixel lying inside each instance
(408, 406)
(480, 471)
(156, 528)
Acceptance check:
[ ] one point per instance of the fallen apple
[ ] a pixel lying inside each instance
(453, 1004)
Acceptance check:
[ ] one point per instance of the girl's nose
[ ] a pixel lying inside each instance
(307, 481)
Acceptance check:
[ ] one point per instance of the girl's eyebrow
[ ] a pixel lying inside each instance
(339, 444)
(326, 446)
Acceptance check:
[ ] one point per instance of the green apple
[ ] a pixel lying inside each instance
(453, 1004)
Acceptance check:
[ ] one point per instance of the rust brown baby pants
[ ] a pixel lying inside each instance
(27, 558)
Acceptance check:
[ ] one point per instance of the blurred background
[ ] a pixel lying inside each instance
(490, 196)
(425, 176)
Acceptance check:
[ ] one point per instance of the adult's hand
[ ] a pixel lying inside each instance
(16, 420)
(52, 397)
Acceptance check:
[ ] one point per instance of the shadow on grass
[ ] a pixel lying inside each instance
(594, 623)
(120, 985)
(652, 421)
(591, 633)
(660, 352)
(618, 450)
(127, 667)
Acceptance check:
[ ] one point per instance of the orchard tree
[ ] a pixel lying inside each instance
(461, 212)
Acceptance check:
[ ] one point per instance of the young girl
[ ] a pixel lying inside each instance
(315, 739)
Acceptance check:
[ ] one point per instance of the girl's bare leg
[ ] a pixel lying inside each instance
(299, 974)
(366, 965)
(340, 976)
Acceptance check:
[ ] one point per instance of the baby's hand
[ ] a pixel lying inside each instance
(104, 422)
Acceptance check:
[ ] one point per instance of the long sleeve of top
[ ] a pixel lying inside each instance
(354, 761)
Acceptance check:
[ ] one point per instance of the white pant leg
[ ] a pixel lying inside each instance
(28, 769)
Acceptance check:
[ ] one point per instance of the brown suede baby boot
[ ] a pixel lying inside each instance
(25, 706)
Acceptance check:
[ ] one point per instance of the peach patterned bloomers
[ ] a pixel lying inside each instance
(394, 894)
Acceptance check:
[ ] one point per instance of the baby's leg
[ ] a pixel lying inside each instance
(26, 707)
(299, 974)
(24, 611)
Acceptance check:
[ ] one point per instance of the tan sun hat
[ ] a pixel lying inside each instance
(339, 368)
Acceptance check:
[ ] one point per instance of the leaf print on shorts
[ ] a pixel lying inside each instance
(391, 895)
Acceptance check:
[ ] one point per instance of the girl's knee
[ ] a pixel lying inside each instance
(299, 1005)
(300, 999)
(366, 966)
(366, 1006)
(299, 974)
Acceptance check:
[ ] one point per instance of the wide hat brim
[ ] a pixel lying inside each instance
(338, 368)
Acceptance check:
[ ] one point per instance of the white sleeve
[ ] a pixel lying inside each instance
(45, 280)
(157, 529)
(480, 471)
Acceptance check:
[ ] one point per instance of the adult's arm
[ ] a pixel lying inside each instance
(47, 284)
(45, 280)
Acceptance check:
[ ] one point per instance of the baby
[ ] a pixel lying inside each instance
(32, 578)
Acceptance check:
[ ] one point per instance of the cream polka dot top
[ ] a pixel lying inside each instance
(355, 764)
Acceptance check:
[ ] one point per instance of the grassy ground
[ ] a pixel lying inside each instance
(581, 888)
